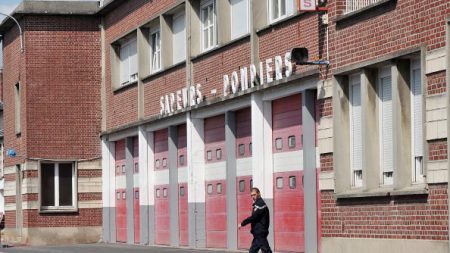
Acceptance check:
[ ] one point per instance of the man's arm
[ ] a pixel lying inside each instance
(256, 215)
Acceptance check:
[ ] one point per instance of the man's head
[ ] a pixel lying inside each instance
(255, 193)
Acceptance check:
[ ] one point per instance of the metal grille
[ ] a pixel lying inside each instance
(354, 5)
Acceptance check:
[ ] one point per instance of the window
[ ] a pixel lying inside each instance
(219, 154)
(158, 193)
(209, 155)
(164, 162)
(239, 18)
(123, 169)
(157, 163)
(179, 37)
(208, 20)
(279, 9)
(279, 182)
(354, 5)
(251, 184)
(118, 195)
(136, 167)
(117, 169)
(279, 143)
(165, 192)
(241, 149)
(416, 120)
(292, 182)
(124, 195)
(385, 119)
(155, 38)
(355, 130)
(291, 141)
(250, 148)
(136, 194)
(181, 160)
(241, 185)
(182, 191)
(219, 188)
(209, 188)
(128, 62)
(58, 185)
(18, 102)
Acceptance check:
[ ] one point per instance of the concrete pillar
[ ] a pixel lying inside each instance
(230, 143)
(401, 117)
(143, 52)
(310, 169)
(262, 158)
(166, 41)
(129, 165)
(173, 186)
(223, 23)
(108, 191)
(370, 136)
(341, 134)
(196, 181)
(143, 185)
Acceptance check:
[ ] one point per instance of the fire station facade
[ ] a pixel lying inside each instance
(199, 100)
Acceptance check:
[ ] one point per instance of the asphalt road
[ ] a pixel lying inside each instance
(104, 248)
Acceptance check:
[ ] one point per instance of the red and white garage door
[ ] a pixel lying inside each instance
(244, 209)
(182, 186)
(288, 173)
(121, 207)
(215, 174)
(162, 210)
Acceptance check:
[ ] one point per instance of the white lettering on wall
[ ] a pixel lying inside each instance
(180, 99)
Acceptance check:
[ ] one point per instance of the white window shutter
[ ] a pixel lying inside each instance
(239, 18)
(290, 7)
(387, 128)
(356, 130)
(179, 38)
(417, 110)
(133, 58)
(124, 65)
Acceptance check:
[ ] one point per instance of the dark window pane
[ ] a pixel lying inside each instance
(219, 188)
(219, 154)
(292, 182)
(242, 186)
(241, 149)
(291, 141)
(48, 184)
(65, 184)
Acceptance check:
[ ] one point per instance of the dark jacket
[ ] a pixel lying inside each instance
(260, 218)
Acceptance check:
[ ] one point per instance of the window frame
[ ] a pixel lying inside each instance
(279, 16)
(205, 4)
(155, 51)
(57, 207)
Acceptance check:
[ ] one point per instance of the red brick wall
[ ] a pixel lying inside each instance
(326, 162)
(83, 218)
(437, 150)
(60, 106)
(325, 107)
(122, 106)
(13, 61)
(169, 82)
(380, 33)
(210, 69)
(436, 83)
(301, 31)
(422, 217)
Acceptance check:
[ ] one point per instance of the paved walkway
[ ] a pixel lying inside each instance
(105, 248)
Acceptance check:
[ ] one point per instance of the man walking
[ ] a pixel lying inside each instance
(260, 221)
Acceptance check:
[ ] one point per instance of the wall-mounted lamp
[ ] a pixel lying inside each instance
(299, 56)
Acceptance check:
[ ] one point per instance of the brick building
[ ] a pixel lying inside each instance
(198, 100)
(51, 92)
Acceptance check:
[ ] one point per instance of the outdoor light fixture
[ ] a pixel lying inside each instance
(299, 56)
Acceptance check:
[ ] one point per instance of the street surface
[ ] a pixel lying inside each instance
(104, 248)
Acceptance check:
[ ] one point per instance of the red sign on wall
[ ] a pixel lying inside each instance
(306, 5)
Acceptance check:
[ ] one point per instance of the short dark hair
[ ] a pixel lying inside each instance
(255, 189)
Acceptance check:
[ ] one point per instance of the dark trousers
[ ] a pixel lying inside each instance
(260, 242)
